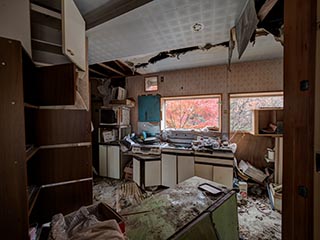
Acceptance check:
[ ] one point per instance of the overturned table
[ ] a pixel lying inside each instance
(184, 212)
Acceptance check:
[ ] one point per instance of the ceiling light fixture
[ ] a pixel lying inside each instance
(197, 27)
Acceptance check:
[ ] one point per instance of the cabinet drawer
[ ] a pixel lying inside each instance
(204, 171)
(113, 159)
(215, 161)
(103, 164)
(168, 170)
(146, 171)
(185, 167)
(152, 173)
(223, 175)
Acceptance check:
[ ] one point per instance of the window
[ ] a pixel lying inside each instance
(191, 112)
(242, 104)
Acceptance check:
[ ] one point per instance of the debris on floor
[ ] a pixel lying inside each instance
(257, 220)
(118, 194)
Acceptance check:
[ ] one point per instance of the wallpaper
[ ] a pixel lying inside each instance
(244, 77)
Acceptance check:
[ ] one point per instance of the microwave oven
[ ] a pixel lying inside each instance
(114, 116)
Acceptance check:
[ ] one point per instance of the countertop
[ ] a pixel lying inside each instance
(165, 213)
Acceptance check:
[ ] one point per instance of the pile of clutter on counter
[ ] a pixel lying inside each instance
(188, 139)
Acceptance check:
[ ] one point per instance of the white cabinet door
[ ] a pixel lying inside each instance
(185, 167)
(113, 156)
(152, 173)
(204, 171)
(73, 34)
(223, 175)
(103, 161)
(136, 171)
(168, 170)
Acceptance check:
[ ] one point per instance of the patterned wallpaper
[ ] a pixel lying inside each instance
(244, 77)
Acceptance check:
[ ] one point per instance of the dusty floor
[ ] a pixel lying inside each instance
(256, 219)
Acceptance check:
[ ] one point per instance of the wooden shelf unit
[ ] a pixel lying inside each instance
(261, 118)
(32, 198)
(31, 153)
(27, 105)
(57, 157)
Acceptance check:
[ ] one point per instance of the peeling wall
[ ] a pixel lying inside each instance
(244, 77)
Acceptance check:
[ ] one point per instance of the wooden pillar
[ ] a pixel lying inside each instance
(316, 222)
(299, 117)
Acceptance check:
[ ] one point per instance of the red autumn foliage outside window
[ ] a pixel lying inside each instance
(192, 113)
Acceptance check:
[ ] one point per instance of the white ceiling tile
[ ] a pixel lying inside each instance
(163, 25)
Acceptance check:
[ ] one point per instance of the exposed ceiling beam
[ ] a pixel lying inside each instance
(128, 68)
(119, 64)
(111, 69)
(110, 10)
(99, 73)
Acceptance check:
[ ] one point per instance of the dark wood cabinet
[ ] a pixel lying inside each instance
(56, 85)
(45, 154)
(48, 86)
(13, 184)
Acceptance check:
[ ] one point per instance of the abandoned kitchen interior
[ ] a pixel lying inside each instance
(172, 119)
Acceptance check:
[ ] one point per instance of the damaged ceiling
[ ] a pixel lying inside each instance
(127, 37)
(148, 36)
(163, 25)
(264, 48)
(172, 34)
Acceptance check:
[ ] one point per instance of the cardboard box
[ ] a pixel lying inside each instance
(118, 93)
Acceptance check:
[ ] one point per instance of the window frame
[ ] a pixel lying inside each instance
(187, 97)
(249, 94)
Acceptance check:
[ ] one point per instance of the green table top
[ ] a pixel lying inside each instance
(164, 213)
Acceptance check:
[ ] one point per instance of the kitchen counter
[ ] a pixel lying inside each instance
(175, 163)
(192, 150)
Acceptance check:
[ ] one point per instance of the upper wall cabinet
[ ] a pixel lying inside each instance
(149, 108)
(57, 33)
(73, 34)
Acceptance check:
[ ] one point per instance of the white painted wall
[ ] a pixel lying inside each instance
(15, 21)
(245, 77)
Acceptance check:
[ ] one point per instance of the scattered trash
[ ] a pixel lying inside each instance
(250, 212)
(257, 220)
(243, 190)
(252, 172)
(128, 171)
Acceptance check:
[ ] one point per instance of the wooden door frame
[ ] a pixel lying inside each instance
(299, 196)
(316, 220)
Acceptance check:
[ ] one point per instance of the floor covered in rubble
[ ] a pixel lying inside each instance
(256, 218)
